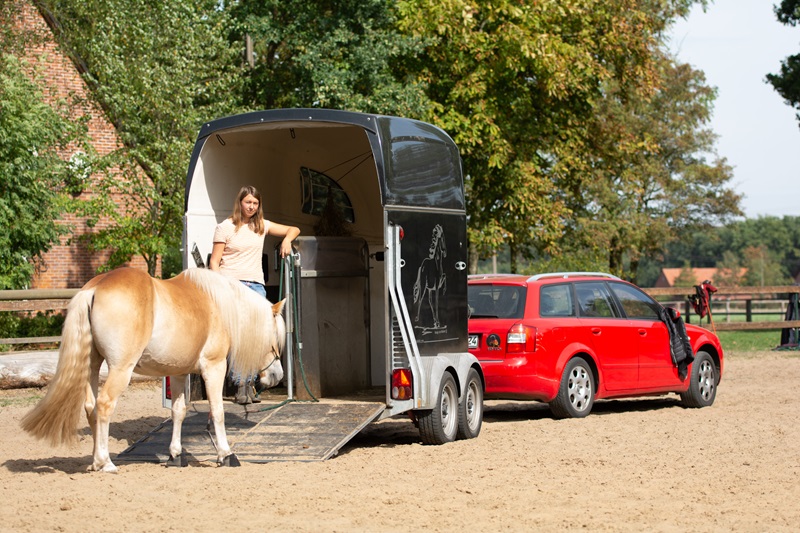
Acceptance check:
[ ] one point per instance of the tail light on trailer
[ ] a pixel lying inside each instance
(521, 338)
(402, 388)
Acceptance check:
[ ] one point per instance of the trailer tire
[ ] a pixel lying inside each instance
(440, 424)
(470, 409)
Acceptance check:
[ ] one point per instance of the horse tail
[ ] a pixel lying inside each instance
(55, 418)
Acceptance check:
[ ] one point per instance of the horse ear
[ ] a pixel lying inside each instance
(278, 307)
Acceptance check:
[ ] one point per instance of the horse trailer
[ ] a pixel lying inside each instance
(377, 288)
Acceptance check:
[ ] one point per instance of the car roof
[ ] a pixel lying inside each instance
(522, 279)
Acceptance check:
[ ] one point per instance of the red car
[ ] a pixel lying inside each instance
(571, 338)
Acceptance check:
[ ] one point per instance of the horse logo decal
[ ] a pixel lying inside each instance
(431, 279)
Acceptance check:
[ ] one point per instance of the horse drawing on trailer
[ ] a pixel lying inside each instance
(188, 324)
(431, 279)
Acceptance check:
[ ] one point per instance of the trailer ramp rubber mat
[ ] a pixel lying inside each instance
(258, 433)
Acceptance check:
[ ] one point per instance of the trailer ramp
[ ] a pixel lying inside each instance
(258, 433)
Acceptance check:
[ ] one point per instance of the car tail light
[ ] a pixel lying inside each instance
(401, 384)
(521, 339)
(168, 391)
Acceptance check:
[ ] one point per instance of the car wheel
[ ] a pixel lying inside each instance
(576, 391)
(470, 409)
(440, 424)
(703, 385)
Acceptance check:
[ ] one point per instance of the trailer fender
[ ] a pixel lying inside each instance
(457, 364)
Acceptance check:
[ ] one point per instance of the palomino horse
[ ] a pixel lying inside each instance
(430, 276)
(135, 323)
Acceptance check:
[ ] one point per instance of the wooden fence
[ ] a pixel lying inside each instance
(35, 300)
(724, 294)
(58, 299)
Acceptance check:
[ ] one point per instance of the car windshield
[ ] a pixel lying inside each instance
(496, 301)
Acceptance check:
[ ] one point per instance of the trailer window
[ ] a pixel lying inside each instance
(317, 187)
(423, 167)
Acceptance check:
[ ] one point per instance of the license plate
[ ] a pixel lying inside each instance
(472, 342)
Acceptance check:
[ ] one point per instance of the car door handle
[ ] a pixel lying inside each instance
(596, 331)
(642, 332)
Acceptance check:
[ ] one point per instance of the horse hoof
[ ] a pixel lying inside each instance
(230, 460)
(109, 468)
(180, 461)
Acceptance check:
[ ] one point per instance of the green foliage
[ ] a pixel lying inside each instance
(787, 82)
(343, 55)
(686, 277)
(769, 247)
(42, 324)
(648, 179)
(762, 267)
(566, 115)
(32, 172)
(158, 70)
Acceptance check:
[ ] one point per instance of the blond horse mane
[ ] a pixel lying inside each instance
(248, 318)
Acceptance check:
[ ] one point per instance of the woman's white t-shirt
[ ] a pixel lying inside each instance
(241, 257)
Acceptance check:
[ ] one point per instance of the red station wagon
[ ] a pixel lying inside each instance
(571, 338)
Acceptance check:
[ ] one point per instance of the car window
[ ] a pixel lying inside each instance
(496, 301)
(594, 300)
(556, 300)
(635, 303)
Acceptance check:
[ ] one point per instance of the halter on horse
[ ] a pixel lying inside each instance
(188, 324)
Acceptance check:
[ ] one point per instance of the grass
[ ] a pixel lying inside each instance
(750, 341)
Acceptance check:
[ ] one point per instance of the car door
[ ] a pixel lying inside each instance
(611, 335)
(652, 337)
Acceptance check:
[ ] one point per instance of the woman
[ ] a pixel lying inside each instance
(237, 251)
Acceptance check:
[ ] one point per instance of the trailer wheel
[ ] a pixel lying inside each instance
(440, 424)
(470, 409)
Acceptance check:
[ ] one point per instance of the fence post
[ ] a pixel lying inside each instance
(748, 310)
(688, 309)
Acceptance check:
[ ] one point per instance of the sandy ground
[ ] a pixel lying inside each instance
(634, 465)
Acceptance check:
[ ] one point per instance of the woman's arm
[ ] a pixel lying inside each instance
(216, 256)
(289, 233)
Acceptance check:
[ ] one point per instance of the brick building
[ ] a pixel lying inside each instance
(69, 264)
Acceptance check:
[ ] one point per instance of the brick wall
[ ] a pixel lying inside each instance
(69, 264)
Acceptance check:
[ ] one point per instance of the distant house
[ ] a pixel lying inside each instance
(69, 264)
(669, 275)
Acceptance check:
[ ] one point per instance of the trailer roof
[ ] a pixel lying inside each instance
(418, 164)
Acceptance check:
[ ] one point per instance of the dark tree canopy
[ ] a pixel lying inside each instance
(787, 81)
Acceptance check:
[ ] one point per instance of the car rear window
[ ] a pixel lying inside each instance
(556, 300)
(496, 301)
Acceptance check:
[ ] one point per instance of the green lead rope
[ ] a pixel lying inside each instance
(293, 289)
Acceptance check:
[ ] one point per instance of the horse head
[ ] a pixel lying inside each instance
(272, 373)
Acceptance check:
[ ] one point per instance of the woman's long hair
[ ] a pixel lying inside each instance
(256, 221)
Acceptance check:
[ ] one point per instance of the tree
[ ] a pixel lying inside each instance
(33, 175)
(787, 82)
(648, 177)
(730, 273)
(686, 277)
(158, 70)
(343, 55)
(762, 268)
(517, 84)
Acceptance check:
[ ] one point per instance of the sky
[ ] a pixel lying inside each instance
(737, 43)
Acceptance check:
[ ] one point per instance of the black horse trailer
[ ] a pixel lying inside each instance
(379, 307)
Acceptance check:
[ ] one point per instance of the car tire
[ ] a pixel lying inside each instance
(470, 408)
(440, 424)
(703, 382)
(575, 392)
